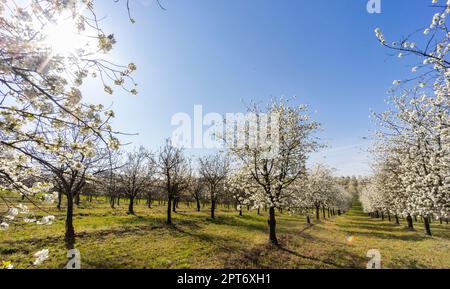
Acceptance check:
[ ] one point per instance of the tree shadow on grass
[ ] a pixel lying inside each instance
(387, 236)
(406, 263)
(314, 259)
(372, 227)
(224, 243)
(234, 221)
(292, 255)
(382, 230)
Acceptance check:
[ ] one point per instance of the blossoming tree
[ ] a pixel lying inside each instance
(418, 123)
(275, 158)
(48, 49)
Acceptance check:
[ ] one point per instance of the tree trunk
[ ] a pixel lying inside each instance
(308, 220)
(339, 212)
(409, 220)
(77, 199)
(198, 205)
(389, 216)
(174, 205)
(213, 207)
(323, 212)
(169, 210)
(426, 225)
(69, 237)
(59, 200)
(240, 212)
(149, 200)
(272, 227)
(317, 213)
(382, 216)
(397, 220)
(131, 206)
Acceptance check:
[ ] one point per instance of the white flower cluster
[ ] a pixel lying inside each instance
(41, 256)
(28, 217)
(380, 35)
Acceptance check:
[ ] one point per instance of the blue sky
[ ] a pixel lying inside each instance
(224, 53)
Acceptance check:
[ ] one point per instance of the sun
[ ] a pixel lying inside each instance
(63, 38)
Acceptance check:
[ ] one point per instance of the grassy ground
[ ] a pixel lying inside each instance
(108, 238)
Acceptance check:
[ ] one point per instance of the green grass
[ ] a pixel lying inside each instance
(109, 238)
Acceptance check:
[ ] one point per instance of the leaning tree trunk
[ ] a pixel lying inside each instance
(272, 227)
(409, 220)
(69, 236)
(426, 224)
